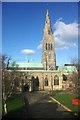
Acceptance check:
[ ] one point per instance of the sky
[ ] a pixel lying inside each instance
(22, 30)
(40, 0)
(0, 26)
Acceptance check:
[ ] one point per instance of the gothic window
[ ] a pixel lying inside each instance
(37, 81)
(51, 46)
(56, 80)
(46, 46)
(46, 82)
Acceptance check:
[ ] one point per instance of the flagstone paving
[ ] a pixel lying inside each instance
(41, 106)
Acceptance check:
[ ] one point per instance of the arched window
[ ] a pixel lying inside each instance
(56, 80)
(46, 82)
(46, 46)
(37, 81)
(51, 46)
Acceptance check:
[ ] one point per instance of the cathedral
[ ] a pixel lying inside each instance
(47, 75)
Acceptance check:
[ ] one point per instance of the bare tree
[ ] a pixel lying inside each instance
(75, 77)
(7, 80)
(4, 60)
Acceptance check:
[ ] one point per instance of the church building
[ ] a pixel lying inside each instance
(46, 74)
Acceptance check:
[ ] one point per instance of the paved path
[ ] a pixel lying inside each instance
(41, 106)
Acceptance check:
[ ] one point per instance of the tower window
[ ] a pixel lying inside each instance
(46, 46)
(51, 46)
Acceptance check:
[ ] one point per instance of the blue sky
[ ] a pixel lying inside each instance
(0, 26)
(23, 25)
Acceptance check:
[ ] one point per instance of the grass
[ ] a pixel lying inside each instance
(66, 99)
(0, 103)
(15, 106)
(14, 102)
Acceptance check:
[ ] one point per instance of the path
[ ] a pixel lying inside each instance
(41, 106)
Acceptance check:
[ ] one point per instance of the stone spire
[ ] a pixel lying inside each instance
(48, 50)
(47, 13)
(47, 28)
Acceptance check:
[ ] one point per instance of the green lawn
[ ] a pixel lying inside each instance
(66, 99)
(14, 102)
(15, 106)
(0, 103)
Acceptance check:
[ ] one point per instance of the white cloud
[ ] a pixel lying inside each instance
(65, 35)
(28, 51)
(39, 46)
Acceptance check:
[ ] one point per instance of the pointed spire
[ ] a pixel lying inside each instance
(47, 17)
(47, 12)
(47, 24)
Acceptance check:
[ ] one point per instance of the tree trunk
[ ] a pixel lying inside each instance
(4, 104)
(5, 108)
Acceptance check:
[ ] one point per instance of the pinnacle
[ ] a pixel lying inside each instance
(47, 12)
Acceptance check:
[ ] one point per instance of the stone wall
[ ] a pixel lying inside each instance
(42, 76)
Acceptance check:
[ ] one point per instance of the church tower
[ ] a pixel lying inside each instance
(48, 47)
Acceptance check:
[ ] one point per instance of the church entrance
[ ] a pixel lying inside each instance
(26, 88)
(35, 83)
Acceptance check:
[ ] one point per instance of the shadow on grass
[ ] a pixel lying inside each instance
(14, 114)
(16, 108)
